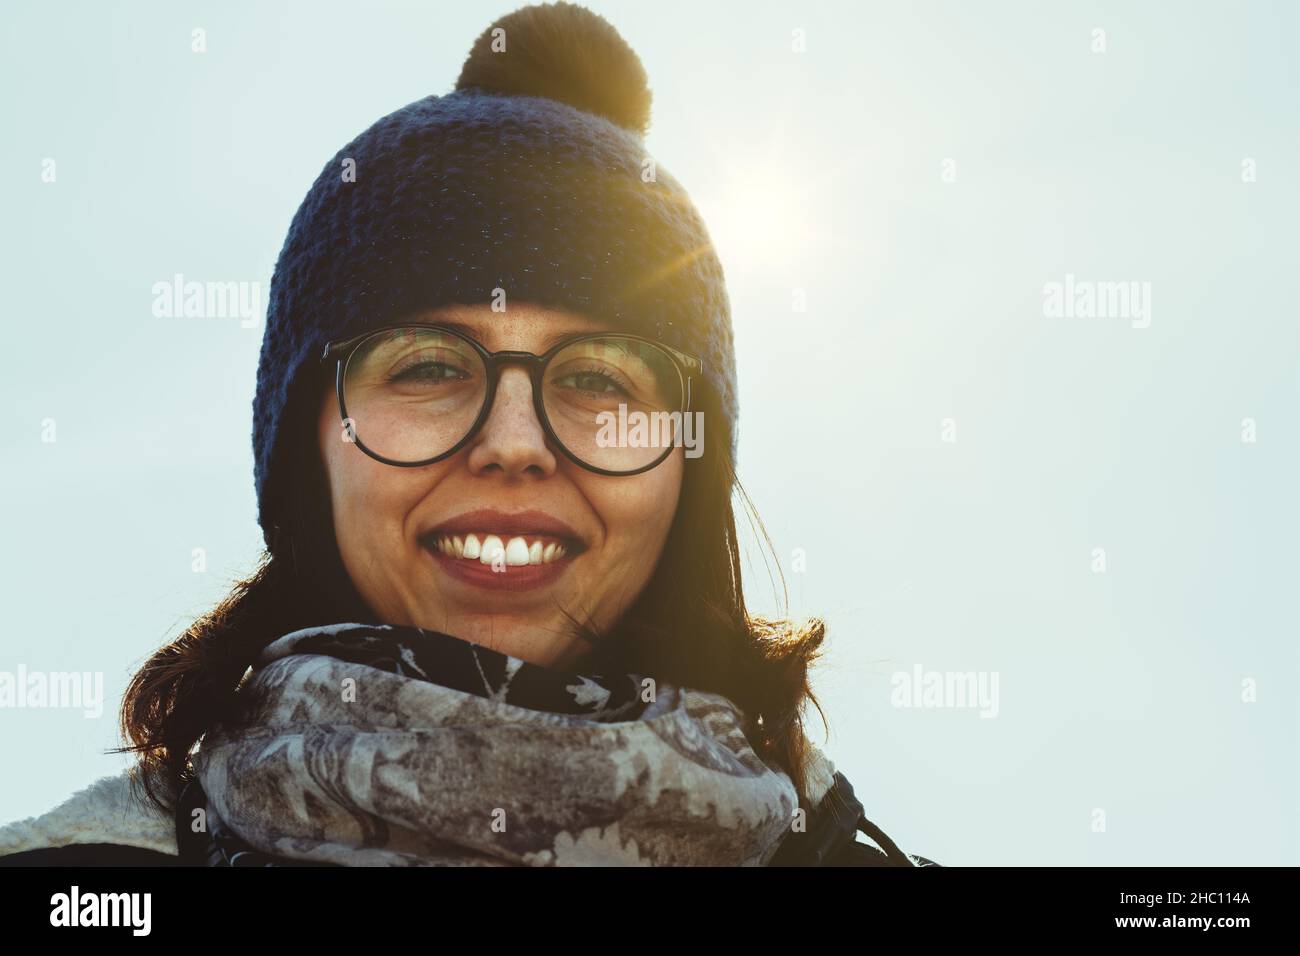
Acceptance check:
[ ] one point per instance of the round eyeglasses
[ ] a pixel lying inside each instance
(411, 395)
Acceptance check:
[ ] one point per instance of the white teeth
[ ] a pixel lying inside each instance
(471, 547)
(492, 547)
(515, 551)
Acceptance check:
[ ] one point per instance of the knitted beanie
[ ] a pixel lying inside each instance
(531, 177)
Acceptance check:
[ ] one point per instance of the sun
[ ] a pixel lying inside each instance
(762, 216)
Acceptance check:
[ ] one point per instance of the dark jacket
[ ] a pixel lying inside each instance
(830, 839)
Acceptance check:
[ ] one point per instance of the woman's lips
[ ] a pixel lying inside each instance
(514, 550)
(503, 562)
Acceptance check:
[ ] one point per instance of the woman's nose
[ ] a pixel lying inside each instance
(512, 440)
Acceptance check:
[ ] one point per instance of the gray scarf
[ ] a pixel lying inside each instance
(394, 746)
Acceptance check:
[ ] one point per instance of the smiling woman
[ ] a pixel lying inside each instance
(484, 634)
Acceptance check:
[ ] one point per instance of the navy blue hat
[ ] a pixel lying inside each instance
(532, 177)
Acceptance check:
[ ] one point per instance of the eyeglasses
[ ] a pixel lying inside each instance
(411, 395)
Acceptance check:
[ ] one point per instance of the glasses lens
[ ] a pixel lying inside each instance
(611, 401)
(412, 394)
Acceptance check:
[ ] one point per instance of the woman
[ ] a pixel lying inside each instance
(500, 619)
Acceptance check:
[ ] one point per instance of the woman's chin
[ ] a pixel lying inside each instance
(530, 640)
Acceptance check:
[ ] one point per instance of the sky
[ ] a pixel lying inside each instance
(1090, 511)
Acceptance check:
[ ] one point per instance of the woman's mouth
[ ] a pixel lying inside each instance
(512, 550)
(488, 549)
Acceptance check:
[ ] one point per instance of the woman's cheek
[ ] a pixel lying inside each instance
(637, 513)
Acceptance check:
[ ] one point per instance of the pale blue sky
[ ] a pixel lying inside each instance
(818, 171)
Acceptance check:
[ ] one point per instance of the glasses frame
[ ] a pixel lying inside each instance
(342, 350)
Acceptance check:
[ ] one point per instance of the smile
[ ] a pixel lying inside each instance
(504, 551)
(492, 568)
(511, 550)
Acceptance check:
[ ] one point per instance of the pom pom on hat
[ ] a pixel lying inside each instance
(563, 52)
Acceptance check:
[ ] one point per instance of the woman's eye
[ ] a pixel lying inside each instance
(589, 381)
(426, 372)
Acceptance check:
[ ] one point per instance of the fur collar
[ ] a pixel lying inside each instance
(113, 809)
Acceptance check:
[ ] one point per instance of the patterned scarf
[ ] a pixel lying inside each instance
(395, 746)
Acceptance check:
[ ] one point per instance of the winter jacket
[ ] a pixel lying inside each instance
(110, 824)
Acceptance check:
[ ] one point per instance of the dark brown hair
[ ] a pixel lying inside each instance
(689, 626)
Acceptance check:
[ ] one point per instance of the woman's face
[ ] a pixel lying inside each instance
(508, 482)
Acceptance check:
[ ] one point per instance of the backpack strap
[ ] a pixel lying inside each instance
(832, 829)
(192, 846)
(896, 856)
